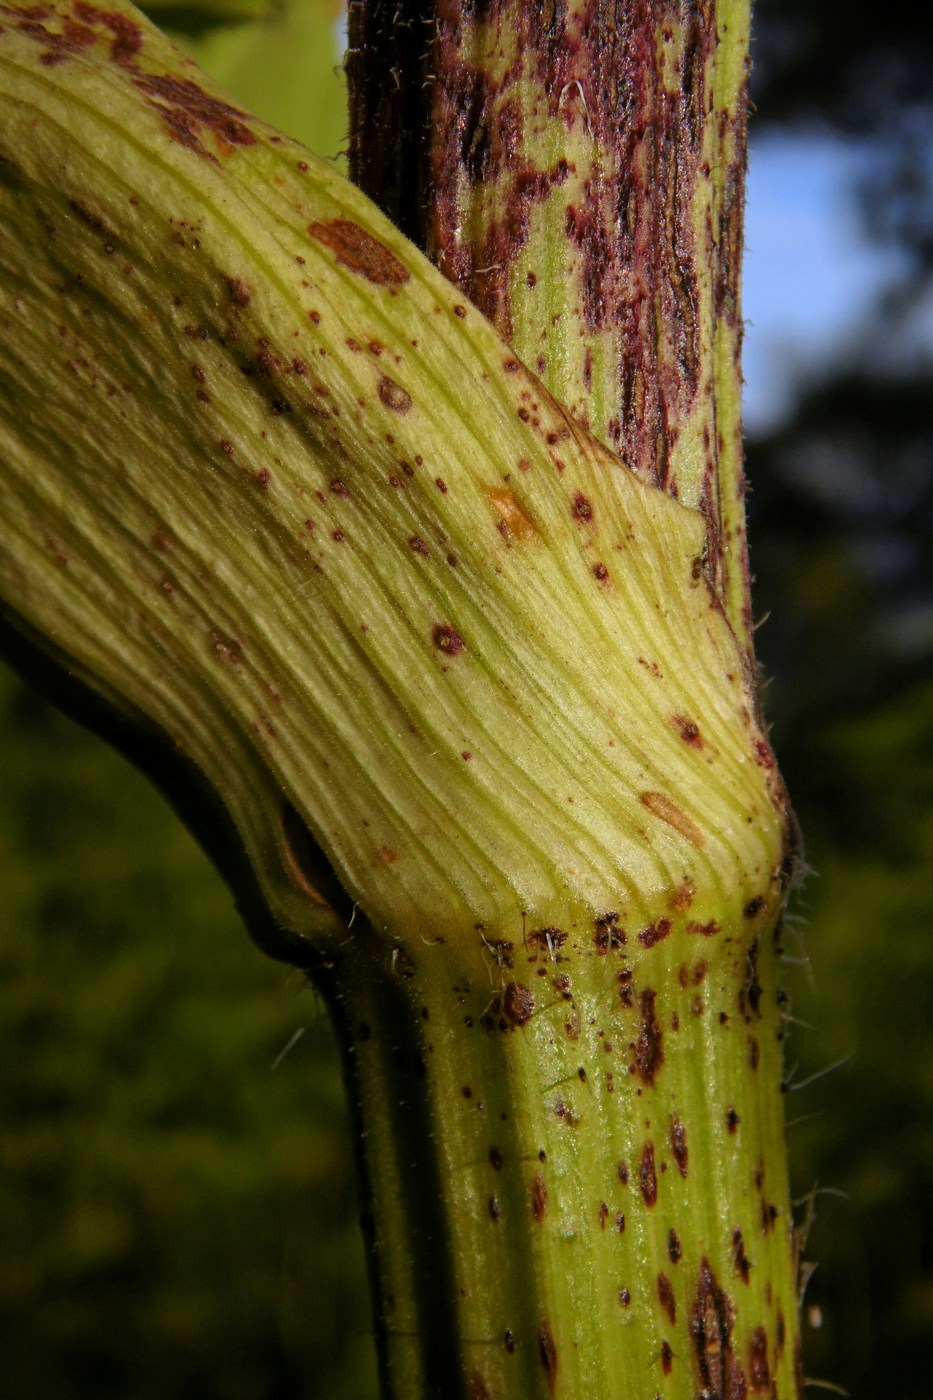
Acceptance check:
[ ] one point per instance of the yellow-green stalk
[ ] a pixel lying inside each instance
(465, 691)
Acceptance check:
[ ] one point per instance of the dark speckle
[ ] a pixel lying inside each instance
(548, 1353)
(679, 1146)
(495, 1159)
(240, 293)
(648, 1177)
(740, 1260)
(538, 1198)
(759, 1373)
(674, 1250)
(666, 1297)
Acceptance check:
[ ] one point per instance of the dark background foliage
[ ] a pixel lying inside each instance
(177, 1212)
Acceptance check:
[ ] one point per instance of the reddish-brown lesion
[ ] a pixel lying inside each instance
(188, 111)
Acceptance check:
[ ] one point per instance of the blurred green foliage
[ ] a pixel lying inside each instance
(177, 1204)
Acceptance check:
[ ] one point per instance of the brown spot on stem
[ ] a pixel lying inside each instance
(187, 110)
(240, 293)
(91, 220)
(549, 939)
(751, 989)
(688, 731)
(683, 896)
(655, 933)
(393, 395)
(679, 1146)
(674, 1250)
(228, 647)
(582, 509)
(608, 937)
(759, 1373)
(649, 1048)
(648, 1177)
(539, 1198)
(360, 252)
(667, 1358)
(514, 521)
(547, 1351)
(666, 1297)
(517, 1003)
(740, 1260)
(447, 639)
(127, 35)
(711, 1322)
(479, 1390)
(667, 810)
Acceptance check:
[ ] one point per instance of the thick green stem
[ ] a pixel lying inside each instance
(577, 170)
(575, 1154)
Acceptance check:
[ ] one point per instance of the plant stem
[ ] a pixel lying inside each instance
(575, 1157)
(577, 169)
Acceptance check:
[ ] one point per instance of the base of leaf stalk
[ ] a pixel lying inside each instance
(573, 1163)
